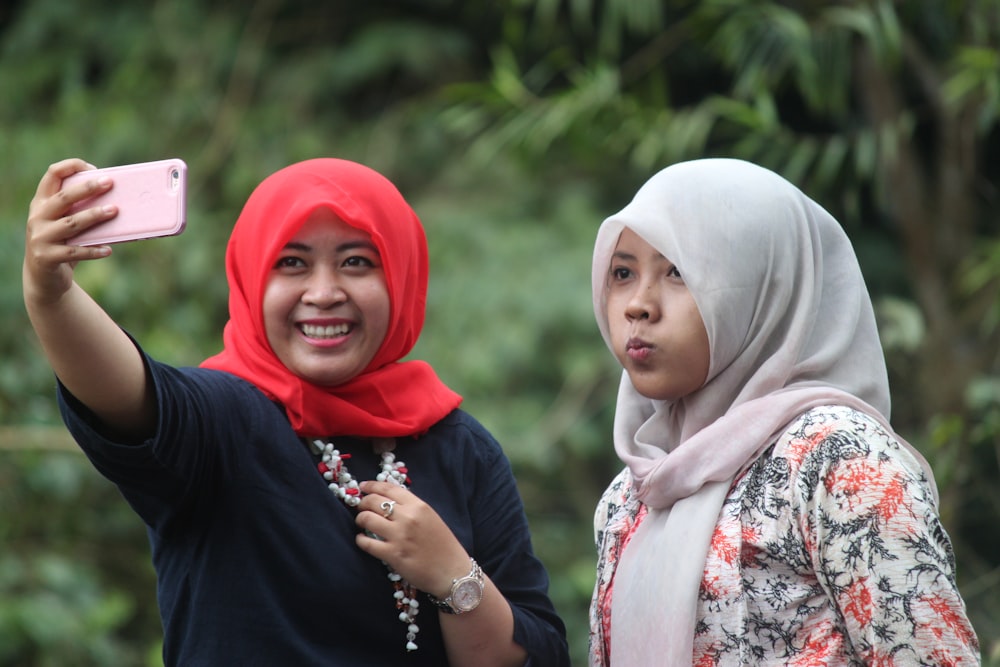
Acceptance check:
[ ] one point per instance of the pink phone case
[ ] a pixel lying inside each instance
(151, 201)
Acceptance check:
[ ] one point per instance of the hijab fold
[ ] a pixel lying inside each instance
(790, 327)
(389, 398)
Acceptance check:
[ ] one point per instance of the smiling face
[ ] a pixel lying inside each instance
(326, 304)
(656, 330)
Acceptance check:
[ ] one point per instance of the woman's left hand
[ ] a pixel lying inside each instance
(413, 539)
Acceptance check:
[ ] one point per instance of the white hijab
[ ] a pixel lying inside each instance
(790, 326)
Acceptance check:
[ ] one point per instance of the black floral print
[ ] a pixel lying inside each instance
(828, 551)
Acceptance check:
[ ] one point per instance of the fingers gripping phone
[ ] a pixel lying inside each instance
(151, 198)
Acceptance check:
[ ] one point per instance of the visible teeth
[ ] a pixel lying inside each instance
(329, 331)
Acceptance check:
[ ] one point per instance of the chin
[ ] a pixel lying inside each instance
(654, 393)
(322, 378)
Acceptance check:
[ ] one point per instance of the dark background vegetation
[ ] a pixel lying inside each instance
(513, 127)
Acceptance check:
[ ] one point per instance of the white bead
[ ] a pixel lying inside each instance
(341, 481)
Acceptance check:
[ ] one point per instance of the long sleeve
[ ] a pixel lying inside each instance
(879, 551)
(828, 550)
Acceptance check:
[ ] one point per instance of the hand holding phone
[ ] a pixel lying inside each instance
(151, 198)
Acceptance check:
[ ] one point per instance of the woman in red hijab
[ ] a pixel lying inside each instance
(310, 498)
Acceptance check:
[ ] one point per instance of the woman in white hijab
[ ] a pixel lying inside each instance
(767, 513)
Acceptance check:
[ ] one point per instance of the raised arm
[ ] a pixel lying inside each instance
(90, 354)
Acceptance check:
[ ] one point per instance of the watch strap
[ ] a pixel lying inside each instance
(447, 605)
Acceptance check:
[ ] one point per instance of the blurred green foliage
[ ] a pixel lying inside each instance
(514, 128)
(69, 598)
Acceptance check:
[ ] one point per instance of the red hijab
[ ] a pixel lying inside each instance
(389, 398)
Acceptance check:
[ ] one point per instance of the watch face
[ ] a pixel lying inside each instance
(467, 595)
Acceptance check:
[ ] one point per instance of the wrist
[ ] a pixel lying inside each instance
(448, 572)
(465, 592)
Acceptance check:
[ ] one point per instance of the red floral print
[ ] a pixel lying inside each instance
(859, 601)
(828, 552)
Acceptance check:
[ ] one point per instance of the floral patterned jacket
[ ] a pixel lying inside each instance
(828, 551)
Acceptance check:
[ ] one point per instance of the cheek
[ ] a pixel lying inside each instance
(701, 349)
(378, 309)
(618, 335)
(379, 302)
(382, 325)
(274, 309)
(615, 309)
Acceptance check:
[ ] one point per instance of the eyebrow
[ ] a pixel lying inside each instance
(627, 256)
(343, 247)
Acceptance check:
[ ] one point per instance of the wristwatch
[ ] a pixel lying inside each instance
(466, 592)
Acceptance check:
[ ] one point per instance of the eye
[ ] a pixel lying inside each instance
(360, 261)
(674, 273)
(620, 273)
(289, 262)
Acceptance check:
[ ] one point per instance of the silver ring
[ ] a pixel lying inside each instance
(388, 507)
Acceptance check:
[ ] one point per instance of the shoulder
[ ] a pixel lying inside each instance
(211, 405)
(837, 446)
(459, 447)
(204, 385)
(619, 490)
(460, 423)
(198, 375)
(830, 417)
(615, 500)
(459, 429)
(838, 432)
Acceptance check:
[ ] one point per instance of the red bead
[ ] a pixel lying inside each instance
(352, 491)
(323, 468)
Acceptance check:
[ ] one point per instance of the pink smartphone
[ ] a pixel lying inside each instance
(151, 200)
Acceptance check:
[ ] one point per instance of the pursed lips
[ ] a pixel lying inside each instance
(638, 349)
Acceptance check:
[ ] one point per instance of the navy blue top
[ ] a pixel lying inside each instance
(255, 557)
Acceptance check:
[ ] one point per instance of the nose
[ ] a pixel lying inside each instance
(643, 304)
(323, 289)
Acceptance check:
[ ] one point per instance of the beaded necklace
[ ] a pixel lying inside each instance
(345, 486)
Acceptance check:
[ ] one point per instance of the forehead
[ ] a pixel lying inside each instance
(327, 225)
(632, 246)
